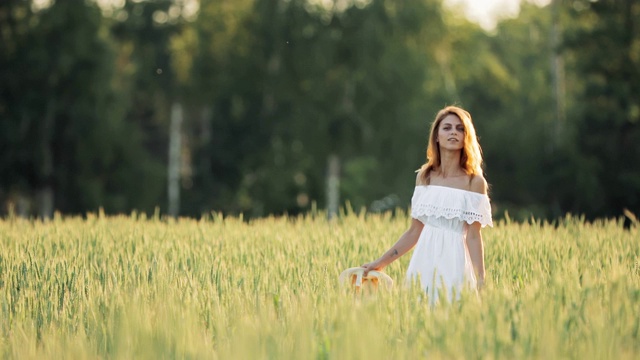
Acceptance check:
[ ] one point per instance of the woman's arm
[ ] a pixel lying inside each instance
(406, 242)
(476, 251)
(474, 237)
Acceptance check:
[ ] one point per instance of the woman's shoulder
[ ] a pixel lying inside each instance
(478, 184)
(421, 176)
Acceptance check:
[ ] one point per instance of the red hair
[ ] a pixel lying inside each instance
(471, 155)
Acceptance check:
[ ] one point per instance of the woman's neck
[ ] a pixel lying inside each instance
(450, 164)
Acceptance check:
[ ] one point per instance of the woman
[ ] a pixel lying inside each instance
(449, 207)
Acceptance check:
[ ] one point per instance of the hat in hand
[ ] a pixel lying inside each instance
(355, 277)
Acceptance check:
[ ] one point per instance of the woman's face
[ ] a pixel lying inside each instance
(451, 133)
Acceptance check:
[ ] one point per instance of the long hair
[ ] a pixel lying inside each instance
(471, 154)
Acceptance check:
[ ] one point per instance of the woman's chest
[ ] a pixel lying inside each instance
(458, 182)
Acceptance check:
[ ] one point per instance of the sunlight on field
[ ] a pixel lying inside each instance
(138, 287)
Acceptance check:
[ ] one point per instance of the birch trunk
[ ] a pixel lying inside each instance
(333, 185)
(175, 145)
(557, 67)
(44, 192)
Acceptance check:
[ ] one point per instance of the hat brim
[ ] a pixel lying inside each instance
(371, 275)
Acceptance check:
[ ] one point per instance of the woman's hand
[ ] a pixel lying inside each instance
(375, 265)
(406, 242)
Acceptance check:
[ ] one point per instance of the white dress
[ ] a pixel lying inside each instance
(441, 259)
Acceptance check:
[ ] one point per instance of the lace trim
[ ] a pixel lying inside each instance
(450, 213)
(450, 203)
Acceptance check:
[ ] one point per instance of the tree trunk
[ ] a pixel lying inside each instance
(44, 191)
(557, 67)
(442, 58)
(333, 185)
(175, 145)
(44, 198)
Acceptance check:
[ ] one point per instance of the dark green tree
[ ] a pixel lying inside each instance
(603, 43)
(66, 140)
(18, 175)
(506, 80)
(299, 84)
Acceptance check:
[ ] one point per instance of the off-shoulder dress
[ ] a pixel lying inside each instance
(441, 259)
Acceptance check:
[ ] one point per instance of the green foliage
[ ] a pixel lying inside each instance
(310, 83)
(274, 88)
(147, 287)
(605, 44)
(65, 126)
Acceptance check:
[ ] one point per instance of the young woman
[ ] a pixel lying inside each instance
(449, 207)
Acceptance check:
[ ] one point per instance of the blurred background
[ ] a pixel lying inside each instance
(268, 107)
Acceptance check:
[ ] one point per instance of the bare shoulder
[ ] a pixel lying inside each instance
(420, 176)
(479, 184)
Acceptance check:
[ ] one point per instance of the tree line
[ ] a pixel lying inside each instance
(283, 106)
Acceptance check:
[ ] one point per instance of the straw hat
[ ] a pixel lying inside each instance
(355, 277)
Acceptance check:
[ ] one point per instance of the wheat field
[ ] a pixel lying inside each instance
(148, 287)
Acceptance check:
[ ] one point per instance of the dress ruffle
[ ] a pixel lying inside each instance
(450, 203)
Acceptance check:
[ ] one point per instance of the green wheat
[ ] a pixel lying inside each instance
(223, 288)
